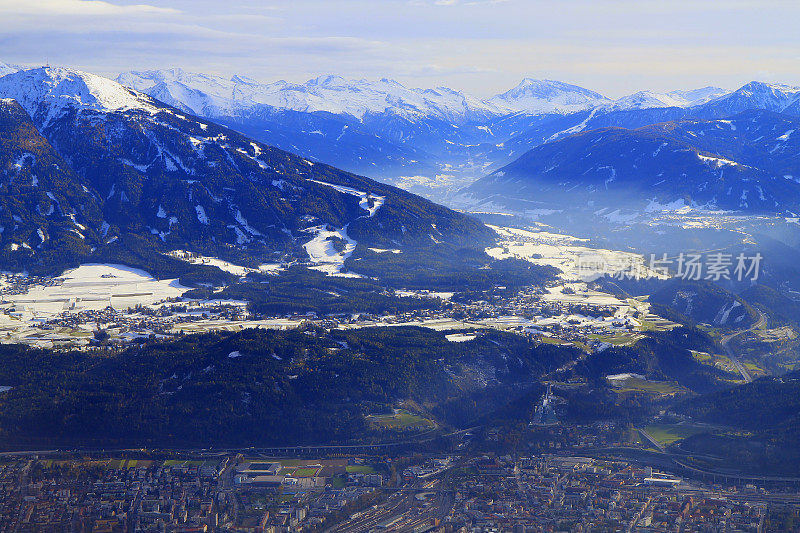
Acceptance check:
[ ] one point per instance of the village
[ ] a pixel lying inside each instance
(115, 305)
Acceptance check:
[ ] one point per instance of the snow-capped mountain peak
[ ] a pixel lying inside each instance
(547, 96)
(238, 78)
(645, 100)
(49, 90)
(650, 99)
(694, 97)
(775, 90)
(328, 80)
(5, 68)
(755, 95)
(217, 96)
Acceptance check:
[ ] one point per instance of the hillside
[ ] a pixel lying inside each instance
(43, 212)
(259, 387)
(166, 180)
(763, 416)
(756, 138)
(704, 302)
(657, 165)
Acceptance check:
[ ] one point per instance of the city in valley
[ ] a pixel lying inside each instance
(372, 490)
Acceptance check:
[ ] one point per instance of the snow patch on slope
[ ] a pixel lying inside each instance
(365, 198)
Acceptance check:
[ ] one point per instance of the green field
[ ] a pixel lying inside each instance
(617, 339)
(642, 385)
(667, 434)
(401, 420)
(360, 469)
(753, 368)
(305, 472)
(290, 462)
(702, 357)
(716, 360)
(554, 341)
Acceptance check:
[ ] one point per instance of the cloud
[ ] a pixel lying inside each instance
(78, 8)
(481, 46)
(455, 2)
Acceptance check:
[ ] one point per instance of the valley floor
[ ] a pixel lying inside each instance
(127, 303)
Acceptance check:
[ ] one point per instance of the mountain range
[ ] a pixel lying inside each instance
(181, 160)
(745, 163)
(89, 165)
(388, 131)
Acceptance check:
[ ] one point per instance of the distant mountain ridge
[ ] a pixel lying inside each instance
(547, 96)
(207, 95)
(6, 68)
(650, 99)
(382, 128)
(746, 163)
(445, 137)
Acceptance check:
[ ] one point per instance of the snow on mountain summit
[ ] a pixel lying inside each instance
(650, 99)
(694, 97)
(57, 88)
(548, 96)
(754, 95)
(210, 95)
(199, 94)
(5, 68)
(334, 94)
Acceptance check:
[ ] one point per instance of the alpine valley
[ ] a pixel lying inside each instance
(649, 171)
(93, 168)
(204, 261)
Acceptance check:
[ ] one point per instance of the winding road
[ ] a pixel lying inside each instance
(726, 339)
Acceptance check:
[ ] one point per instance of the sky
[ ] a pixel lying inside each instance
(615, 47)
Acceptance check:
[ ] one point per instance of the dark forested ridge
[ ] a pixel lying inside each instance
(257, 387)
(705, 302)
(742, 163)
(765, 402)
(659, 356)
(263, 387)
(765, 419)
(45, 212)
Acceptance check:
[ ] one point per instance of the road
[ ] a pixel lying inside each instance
(727, 338)
(679, 460)
(653, 441)
(275, 451)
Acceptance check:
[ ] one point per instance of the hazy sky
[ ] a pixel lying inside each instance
(480, 46)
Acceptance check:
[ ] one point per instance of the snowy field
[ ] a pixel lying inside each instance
(225, 266)
(321, 249)
(568, 254)
(323, 253)
(204, 326)
(460, 337)
(578, 293)
(95, 287)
